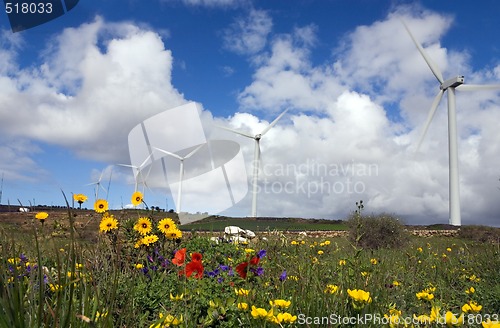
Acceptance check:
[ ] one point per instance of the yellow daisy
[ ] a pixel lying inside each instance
(41, 216)
(137, 198)
(79, 198)
(101, 206)
(108, 223)
(166, 225)
(149, 239)
(143, 226)
(174, 234)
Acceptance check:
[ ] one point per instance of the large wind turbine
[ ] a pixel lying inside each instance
(256, 157)
(181, 170)
(449, 86)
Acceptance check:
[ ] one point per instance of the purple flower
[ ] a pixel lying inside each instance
(283, 276)
(261, 253)
(224, 267)
(257, 271)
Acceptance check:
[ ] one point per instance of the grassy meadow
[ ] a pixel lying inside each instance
(135, 269)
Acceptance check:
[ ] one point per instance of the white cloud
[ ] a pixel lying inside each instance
(248, 35)
(93, 75)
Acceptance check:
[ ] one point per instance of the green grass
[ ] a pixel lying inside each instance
(50, 279)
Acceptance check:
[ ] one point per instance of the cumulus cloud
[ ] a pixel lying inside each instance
(93, 75)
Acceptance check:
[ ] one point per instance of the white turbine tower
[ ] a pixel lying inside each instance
(449, 86)
(138, 171)
(256, 159)
(181, 170)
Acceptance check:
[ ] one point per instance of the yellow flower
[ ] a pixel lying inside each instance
(373, 261)
(342, 262)
(490, 324)
(359, 298)
(137, 198)
(166, 225)
(474, 278)
(448, 249)
(435, 315)
(100, 315)
(174, 234)
(471, 307)
(258, 313)
(420, 249)
(79, 198)
(396, 283)
(425, 296)
(320, 252)
(295, 278)
(139, 266)
(108, 223)
(143, 226)
(286, 317)
(243, 306)
(55, 287)
(364, 273)
(242, 292)
(101, 206)
(293, 242)
(327, 242)
(42, 216)
(470, 290)
(280, 303)
(331, 289)
(249, 250)
(452, 320)
(149, 239)
(176, 297)
(314, 260)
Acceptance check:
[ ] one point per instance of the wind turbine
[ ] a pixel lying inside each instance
(181, 170)
(448, 86)
(256, 156)
(97, 186)
(138, 171)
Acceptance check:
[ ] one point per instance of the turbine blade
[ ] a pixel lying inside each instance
(235, 131)
(194, 151)
(478, 87)
(274, 122)
(145, 161)
(434, 106)
(169, 153)
(434, 68)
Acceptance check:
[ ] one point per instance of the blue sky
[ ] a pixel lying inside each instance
(357, 90)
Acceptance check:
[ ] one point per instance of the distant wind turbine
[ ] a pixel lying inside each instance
(138, 171)
(97, 185)
(181, 170)
(256, 159)
(449, 86)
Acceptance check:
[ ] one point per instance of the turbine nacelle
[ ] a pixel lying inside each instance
(258, 136)
(452, 83)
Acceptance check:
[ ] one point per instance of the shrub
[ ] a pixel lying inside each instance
(376, 231)
(480, 233)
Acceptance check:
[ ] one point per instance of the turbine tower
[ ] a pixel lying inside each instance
(181, 170)
(256, 157)
(448, 86)
(1, 189)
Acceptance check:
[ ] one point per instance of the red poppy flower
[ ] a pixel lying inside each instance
(254, 260)
(194, 266)
(242, 269)
(196, 257)
(180, 257)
